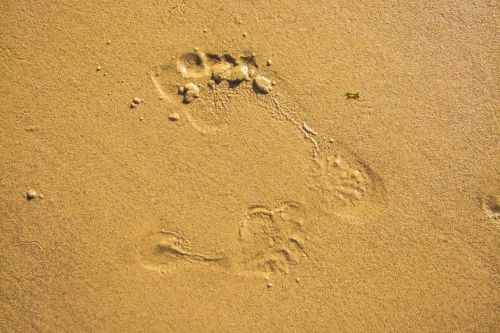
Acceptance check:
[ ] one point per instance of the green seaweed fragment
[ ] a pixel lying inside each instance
(351, 95)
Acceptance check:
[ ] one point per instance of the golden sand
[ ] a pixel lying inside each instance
(249, 166)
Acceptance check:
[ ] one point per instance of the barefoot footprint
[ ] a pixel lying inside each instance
(271, 240)
(167, 248)
(338, 181)
(341, 183)
(211, 76)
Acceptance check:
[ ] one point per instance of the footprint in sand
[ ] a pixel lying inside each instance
(213, 91)
(271, 240)
(164, 250)
(339, 178)
(210, 80)
(342, 183)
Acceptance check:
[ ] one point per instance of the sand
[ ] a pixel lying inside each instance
(249, 166)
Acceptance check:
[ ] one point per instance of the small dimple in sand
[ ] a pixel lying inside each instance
(491, 205)
(32, 128)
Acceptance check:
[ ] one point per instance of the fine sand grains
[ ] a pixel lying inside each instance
(348, 184)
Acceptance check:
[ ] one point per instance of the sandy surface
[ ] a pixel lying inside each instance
(267, 201)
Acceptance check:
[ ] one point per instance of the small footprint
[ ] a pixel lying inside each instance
(166, 249)
(273, 240)
(270, 241)
(338, 178)
(342, 183)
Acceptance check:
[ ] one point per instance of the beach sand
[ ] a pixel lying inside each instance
(249, 166)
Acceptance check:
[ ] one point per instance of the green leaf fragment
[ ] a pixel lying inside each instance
(351, 95)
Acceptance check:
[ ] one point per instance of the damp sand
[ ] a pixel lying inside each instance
(348, 184)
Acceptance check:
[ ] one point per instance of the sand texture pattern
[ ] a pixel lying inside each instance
(249, 166)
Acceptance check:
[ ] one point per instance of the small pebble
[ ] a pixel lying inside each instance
(205, 30)
(269, 62)
(141, 118)
(31, 194)
(245, 35)
(40, 196)
(297, 279)
(270, 285)
(174, 116)
(98, 68)
(135, 102)
(108, 42)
